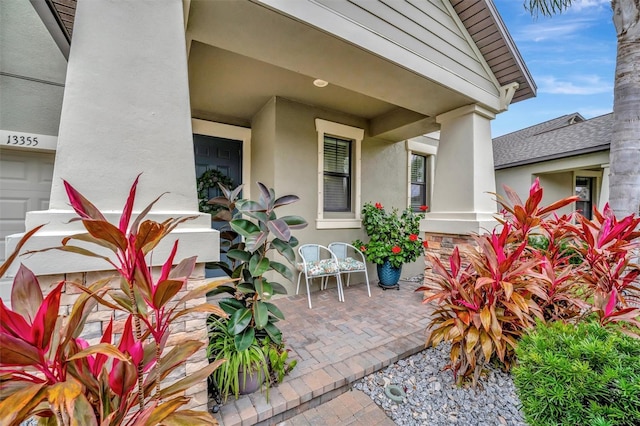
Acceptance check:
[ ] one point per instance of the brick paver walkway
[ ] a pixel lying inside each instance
(335, 344)
(353, 408)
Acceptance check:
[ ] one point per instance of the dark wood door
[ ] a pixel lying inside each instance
(221, 154)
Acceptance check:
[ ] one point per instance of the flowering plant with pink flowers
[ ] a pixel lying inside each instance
(392, 236)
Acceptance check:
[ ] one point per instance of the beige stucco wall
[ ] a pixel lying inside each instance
(557, 186)
(263, 146)
(285, 145)
(556, 176)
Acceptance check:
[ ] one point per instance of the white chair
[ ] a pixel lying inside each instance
(318, 262)
(350, 260)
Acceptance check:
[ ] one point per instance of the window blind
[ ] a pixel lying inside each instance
(418, 181)
(337, 174)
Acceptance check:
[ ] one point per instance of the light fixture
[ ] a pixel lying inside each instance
(320, 83)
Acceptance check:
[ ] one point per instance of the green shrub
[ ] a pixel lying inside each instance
(578, 375)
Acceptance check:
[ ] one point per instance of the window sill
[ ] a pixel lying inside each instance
(338, 223)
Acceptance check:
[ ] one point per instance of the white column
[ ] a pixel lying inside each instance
(604, 187)
(125, 111)
(464, 174)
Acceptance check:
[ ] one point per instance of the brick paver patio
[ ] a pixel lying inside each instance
(335, 344)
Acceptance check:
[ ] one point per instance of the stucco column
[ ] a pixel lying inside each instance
(604, 187)
(464, 174)
(125, 111)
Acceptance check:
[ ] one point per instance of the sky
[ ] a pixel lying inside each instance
(571, 57)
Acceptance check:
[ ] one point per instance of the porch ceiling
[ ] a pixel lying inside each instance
(243, 53)
(229, 87)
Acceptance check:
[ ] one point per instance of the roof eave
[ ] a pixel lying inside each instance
(513, 49)
(557, 156)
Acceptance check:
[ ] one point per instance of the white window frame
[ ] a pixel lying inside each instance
(226, 131)
(342, 131)
(428, 151)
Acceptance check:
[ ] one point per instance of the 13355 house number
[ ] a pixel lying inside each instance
(22, 140)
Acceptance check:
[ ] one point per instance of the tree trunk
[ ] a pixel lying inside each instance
(624, 183)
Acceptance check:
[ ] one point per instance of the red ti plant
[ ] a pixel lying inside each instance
(526, 217)
(485, 308)
(48, 370)
(511, 280)
(554, 272)
(607, 247)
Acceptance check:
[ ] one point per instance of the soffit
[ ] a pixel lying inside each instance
(64, 12)
(485, 26)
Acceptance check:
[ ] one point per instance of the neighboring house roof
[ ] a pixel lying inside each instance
(561, 137)
(480, 18)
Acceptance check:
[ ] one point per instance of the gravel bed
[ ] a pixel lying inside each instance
(433, 399)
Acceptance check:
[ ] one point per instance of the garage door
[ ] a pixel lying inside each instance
(25, 185)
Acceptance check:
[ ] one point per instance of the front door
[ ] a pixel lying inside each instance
(220, 154)
(224, 155)
(584, 191)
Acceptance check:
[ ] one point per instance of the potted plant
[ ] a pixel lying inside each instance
(250, 238)
(278, 360)
(393, 240)
(244, 370)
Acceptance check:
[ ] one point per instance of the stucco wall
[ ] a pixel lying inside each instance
(263, 146)
(557, 186)
(555, 176)
(291, 145)
(33, 72)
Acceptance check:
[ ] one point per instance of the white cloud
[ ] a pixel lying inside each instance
(574, 85)
(575, 22)
(552, 30)
(578, 5)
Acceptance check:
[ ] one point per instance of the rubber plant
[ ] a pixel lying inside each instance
(251, 315)
(46, 368)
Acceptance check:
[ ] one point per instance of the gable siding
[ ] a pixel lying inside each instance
(423, 27)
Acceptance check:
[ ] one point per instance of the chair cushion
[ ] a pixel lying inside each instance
(319, 267)
(350, 264)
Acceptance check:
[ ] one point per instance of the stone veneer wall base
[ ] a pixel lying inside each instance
(441, 246)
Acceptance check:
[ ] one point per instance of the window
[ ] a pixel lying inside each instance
(339, 184)
(421, 158)
(419, 175)
(337, 175)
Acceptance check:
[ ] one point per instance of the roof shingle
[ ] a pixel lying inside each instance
(561, 137)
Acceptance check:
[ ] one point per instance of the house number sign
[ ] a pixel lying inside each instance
(22, 140)
(31, 141)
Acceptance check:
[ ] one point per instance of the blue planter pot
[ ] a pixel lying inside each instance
(388, 275)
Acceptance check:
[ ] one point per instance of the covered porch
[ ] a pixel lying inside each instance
(335, 345)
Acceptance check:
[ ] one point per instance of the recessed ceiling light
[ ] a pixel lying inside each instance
(320, 83)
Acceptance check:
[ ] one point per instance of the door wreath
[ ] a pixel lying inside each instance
(209, 180)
